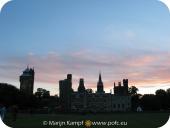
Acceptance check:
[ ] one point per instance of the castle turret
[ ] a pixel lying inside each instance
(81, 87)
(100, 85)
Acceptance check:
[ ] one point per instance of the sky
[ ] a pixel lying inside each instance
(119, 38)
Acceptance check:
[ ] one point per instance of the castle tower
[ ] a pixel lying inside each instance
(27, 81)
(65, 90)
(125, 84)
(69, 77)
(100, 85)
(81, 87)
(121, 90)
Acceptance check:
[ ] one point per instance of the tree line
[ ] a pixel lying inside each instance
(150, 102)
(10, 95)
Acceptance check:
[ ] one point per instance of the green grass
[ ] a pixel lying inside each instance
(134, 120)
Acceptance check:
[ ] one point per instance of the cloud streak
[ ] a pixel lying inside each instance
(140, 69)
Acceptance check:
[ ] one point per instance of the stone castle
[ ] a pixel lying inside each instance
(83, 99)
(86, 100)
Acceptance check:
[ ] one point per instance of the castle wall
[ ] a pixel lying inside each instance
(121, 103)
(99, 102)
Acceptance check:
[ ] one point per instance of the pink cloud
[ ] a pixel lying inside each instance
(141, 70)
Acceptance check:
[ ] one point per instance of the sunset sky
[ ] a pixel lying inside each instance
(121, 38)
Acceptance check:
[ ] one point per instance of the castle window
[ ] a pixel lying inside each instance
(123, 105)
(118, 105)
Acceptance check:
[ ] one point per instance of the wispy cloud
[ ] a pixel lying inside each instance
(141, 70)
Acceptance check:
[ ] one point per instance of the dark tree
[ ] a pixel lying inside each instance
(136, 101)
(168, 91)
(9, 94)
(133, 90)
(163, 98)
(160, 92)
(42, 93)
(150, 102)
(168, 97)
(89, 90)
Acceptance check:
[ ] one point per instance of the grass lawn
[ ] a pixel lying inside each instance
(134, 120)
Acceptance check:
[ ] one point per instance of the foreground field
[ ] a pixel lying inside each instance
(134, 120)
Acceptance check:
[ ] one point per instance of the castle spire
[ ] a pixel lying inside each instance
(100, 84)
(100, 77)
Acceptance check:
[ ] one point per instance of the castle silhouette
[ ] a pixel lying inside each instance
(83, 99)
(86, 100)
